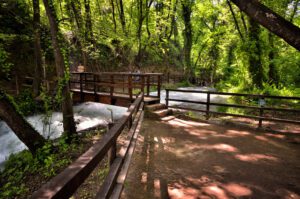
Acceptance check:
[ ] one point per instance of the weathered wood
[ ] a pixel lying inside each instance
(236, 94)
(65, 184)
(261, 109)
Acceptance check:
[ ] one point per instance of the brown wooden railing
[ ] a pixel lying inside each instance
(113, 83)
(67, 182)
(261, 109)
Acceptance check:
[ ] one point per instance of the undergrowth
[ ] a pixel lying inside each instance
(22, 170)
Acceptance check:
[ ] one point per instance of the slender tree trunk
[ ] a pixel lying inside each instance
(122, 16)
(294, 10)
(273, 73)
(113, 15)
(270, 20)
(139, 32)
(75, 6)
(235, 20)
(255, 63)
(38, 72)
(23, 130)
(67, 109)
(188, 38)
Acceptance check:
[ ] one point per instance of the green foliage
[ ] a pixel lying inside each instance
(46, 163)
(25, 102)
(4, 63)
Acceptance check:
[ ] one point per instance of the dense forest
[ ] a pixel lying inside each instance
(210, 39)
(230, 45)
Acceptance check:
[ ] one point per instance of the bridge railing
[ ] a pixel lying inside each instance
(260, 108)
(68, 181)
(113, 83)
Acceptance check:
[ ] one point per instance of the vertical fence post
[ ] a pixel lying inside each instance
(148, 85)
(167, 98)
(112, 152)
(95, 89)
(130, 87)
(207, 105)
(142, 83)
(261, 103)
(81, 87)
(158, 85)
(111, 85)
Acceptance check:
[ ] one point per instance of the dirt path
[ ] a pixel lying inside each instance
(186, 159)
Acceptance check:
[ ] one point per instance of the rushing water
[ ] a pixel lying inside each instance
(200, 97)
(86, 115)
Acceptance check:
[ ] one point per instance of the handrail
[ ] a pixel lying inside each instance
(66, 183)
(117, 82)
(261, 109)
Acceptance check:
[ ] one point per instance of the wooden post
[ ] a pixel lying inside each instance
(94, 84)
(158, 85)
(130, 87)
(207, 105)
(142, 83)
(112, 152)
(148, 85)
(167, 98)
(261, 112)
(111, 85)
(81, 88)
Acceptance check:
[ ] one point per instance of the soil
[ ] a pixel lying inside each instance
(181, 158)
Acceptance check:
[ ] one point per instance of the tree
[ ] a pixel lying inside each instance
(188, 37)
(270, 20)
(23, 130)
(37, 48)
(67, 109)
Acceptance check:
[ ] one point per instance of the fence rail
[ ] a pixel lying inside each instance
(67, 182)
(113, 83)
(262, 109)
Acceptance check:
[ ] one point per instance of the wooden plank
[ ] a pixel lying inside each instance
(66, 183)
(237, 115)
(236, 106)
(236, 94)
(110, 180)
(125, 168)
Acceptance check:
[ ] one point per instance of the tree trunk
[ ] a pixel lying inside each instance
(139, 32)
(38, 73)
(270, 20)
(122, 16)
(23, 130)
(254, 49)
(235, 20)
(113, 14)
(75, 6)
(67, 109)
(188, 38)
(273, 72)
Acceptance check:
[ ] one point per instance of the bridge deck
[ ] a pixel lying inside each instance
(177, 158)
(104, 97)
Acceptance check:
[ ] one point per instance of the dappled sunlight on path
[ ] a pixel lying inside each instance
(176, 158)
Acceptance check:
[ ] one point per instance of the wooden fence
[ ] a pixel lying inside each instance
(116, 83)
(67, 182)
(261, 108)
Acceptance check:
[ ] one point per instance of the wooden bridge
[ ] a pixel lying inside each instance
(121, 89)
(115, 88)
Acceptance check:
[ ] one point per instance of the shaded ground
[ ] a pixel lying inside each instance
(179, 158)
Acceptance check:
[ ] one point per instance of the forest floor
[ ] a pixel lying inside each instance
(181, 158)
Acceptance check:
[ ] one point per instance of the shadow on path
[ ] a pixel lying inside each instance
(185, 159)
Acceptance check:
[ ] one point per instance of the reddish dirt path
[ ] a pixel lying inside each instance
(186, 159)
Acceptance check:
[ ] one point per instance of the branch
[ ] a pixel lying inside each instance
(270, 20)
